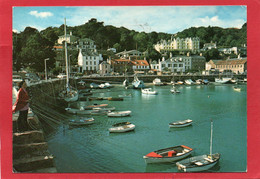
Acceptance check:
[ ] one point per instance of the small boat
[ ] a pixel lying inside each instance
(108, 85)
(149, 91)
(233, 80)
(222, 81)
(189, 82)
(115, 99)
(119, 114)
(170, 154)
(200, 163)
(122, 127)
(182, 123)
(94, 86)
(81, 111)
(198, 81)
(174, 90)
(138, 84)
(95, 106)
(237, 88)
(102, 86)
(81, 122)
(157, 82)
(205, 81)
(105, 109)
(179, 83)
(81, 85)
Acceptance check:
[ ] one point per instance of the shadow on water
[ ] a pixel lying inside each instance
(173, 129)
(159, 167)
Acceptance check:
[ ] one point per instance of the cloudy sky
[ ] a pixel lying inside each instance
(169, 19)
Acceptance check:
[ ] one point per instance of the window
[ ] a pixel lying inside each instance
(174, 65)
(180, 65)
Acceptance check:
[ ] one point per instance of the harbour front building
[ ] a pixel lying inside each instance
(178, 44)
(237, 66)
(129, 65)
(179, 64)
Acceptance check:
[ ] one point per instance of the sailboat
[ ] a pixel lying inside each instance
(200, 163)
(70, 94)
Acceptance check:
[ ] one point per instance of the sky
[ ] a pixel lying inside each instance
(168, 19)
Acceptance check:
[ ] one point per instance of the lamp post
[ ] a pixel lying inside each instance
(45, 67)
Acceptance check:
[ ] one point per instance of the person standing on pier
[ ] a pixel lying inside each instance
(22, 105)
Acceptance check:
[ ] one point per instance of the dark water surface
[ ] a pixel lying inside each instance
(92, 149)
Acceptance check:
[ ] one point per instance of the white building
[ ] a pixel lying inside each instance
(130, 53)
(181, 44)
(180, 64)
(89, 62)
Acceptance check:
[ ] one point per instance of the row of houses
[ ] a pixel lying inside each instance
(90, 61)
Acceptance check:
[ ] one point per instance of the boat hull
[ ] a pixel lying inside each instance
(165, 160)
(120, 129)
(199, 163)
(119, 114)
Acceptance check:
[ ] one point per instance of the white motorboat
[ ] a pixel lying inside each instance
(122, 127)
(170, 154)
(157, 82)
(189, 82)
(108, 85)
(222, 80)
(198, 81)
(200, 163)
(149, 91)
(119, 113)
(81, 122)
(182, 123)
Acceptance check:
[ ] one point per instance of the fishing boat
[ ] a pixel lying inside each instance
(149, 91)
(200, 163)
(70, 94)
(81, 122)
(182, 123)
(119, 113)
(157, 82)
(174, 90)
(122, 127)
(236, 88)
(137, 84)
(170, 154)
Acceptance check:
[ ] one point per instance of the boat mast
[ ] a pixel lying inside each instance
(211, 133)
(66, 57)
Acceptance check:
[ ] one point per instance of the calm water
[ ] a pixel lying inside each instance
(92, 149)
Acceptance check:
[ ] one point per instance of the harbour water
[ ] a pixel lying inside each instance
(92, 149)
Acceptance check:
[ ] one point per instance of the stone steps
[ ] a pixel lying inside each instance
(30, 150)
(33, 163)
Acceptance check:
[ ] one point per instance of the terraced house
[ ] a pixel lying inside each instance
(237, 66)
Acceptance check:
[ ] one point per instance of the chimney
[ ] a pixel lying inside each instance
(188, 54)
